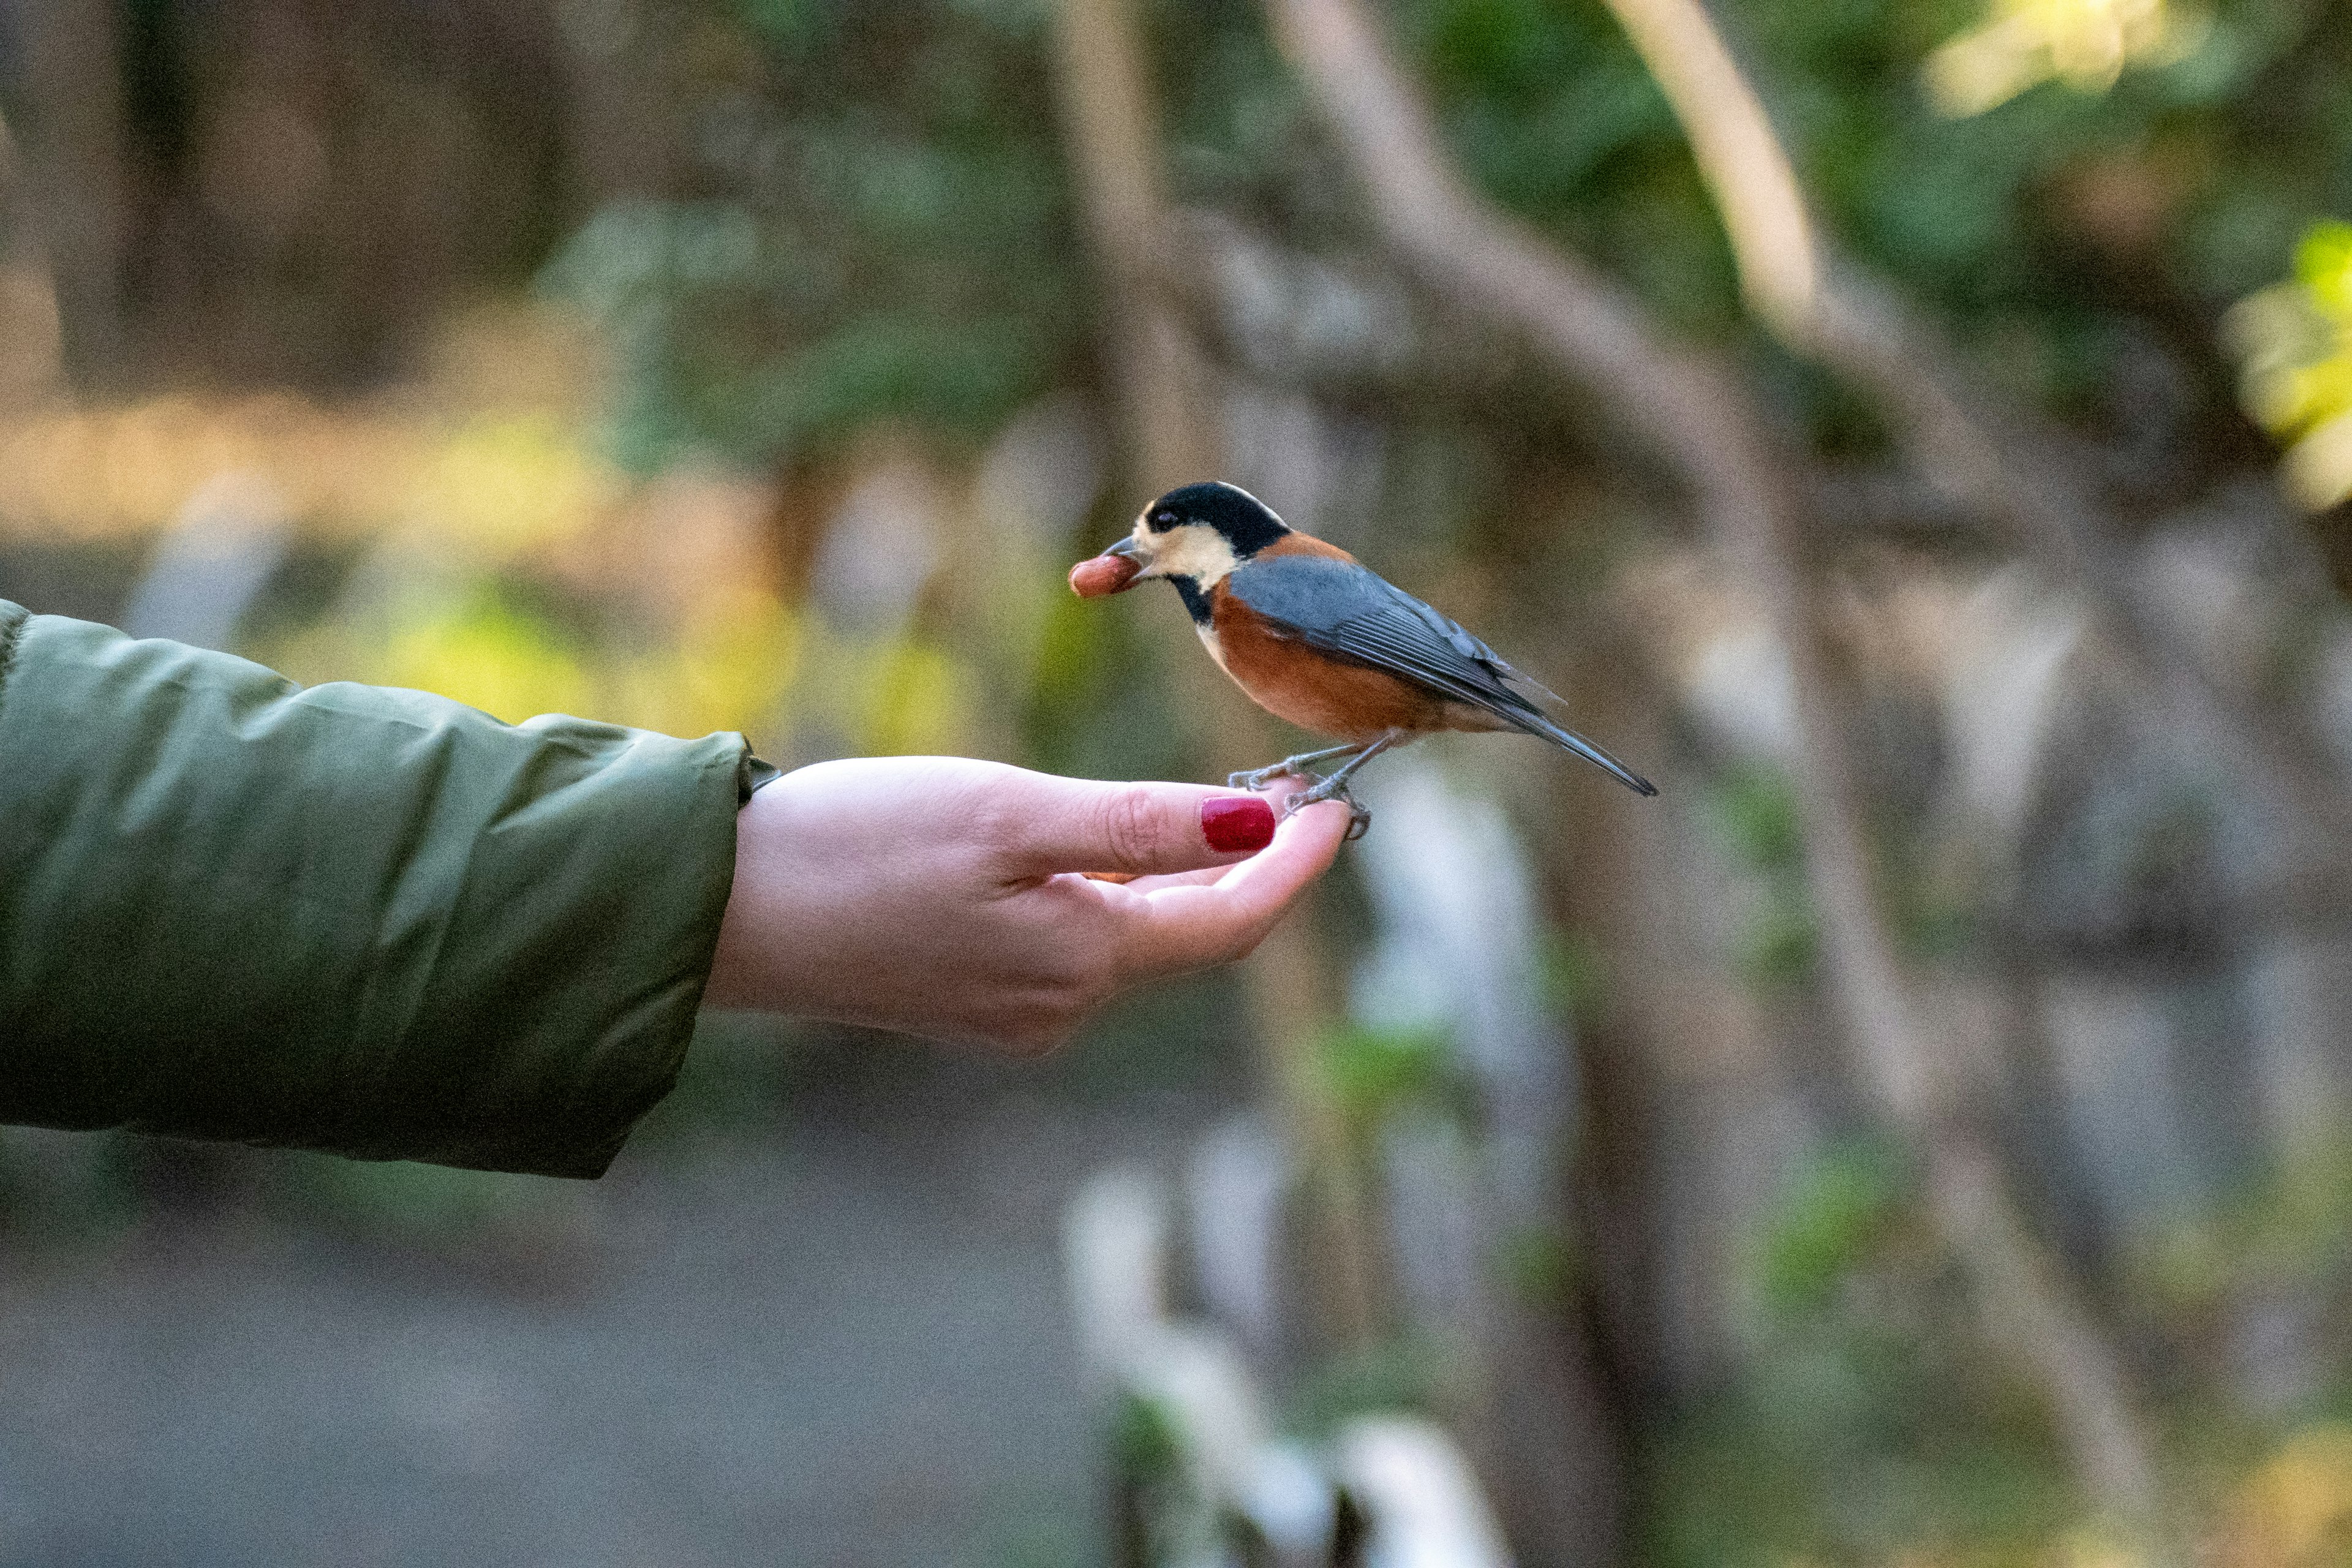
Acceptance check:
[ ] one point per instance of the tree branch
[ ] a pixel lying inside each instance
(1829, 309)
(1112, 138)
(1690, 411)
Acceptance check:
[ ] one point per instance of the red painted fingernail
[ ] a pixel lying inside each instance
(1236, 821)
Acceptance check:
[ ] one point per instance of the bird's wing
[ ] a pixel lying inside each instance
(1345, 608)
(1342, 608)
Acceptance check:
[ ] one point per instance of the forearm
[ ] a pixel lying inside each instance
(345, 918)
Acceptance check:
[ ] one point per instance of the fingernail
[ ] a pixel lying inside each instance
(1234, 822)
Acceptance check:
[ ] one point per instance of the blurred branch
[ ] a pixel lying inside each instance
(1692, 411)
(1267, 310)
(1486, 263)
(30, 334)
(1894, 504)
(1441, 356)
(1438, 356)
(1159, 383)
(1754, 186)
(1829, 309)
(74, 163)
(1166, 397)
(1159, 386)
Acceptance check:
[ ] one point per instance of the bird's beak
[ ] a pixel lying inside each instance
(1130, 548)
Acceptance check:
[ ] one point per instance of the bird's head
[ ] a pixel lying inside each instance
(1195, 535)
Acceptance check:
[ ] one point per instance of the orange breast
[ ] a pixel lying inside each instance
(1293, 681)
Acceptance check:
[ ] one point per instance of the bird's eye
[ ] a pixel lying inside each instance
(1164, 519)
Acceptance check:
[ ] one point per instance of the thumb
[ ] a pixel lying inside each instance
(1141, 829)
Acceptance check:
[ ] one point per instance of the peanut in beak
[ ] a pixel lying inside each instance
(1099, 576)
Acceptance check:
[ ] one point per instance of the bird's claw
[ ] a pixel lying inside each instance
(1258, 778)
(1360, 815)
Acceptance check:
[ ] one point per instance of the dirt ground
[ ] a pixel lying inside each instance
(840, 1341)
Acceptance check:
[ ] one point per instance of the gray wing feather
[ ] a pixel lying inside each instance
(1350, 610)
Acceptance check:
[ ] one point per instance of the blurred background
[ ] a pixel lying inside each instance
(1917, 434)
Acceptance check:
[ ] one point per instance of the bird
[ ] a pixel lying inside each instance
(1315, 636)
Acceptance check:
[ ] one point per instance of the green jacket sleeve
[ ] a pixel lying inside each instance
(346, 917)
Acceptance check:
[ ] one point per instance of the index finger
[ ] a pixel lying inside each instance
(1192, 926)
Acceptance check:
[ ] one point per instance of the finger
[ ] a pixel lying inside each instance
(1189, 924)
(1143, 884)
(1077, 825)
(1206, 876)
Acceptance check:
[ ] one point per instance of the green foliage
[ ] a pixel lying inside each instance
(1373, 1074)
(1869, 1422)
(1400, 1374)
(2295, 343)
(1754, 811)
(1780, 946)
(2322, 264)
(2290, 1229)
(1936, 895)
(1144, 1443)
(1239, 132)
(1540, 1267)
(1842, 1202)
(1046, 1537)
(1770, 1480)
(1575, 977)
(493, 650)
(1552, 112)
(2038, 226)
(886, 231)
(888, 239)
(1975, 208)
(1154, 1481)
(1072, 674)
(1868, 1425)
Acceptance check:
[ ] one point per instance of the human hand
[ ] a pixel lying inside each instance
(939, 896)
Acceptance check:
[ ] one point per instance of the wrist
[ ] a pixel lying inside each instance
(748, 967)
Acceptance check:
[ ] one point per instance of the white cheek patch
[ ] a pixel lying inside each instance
(1193, 551)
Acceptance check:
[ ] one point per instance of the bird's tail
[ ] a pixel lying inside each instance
(1536, 724)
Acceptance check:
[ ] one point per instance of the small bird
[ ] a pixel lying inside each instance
(1315, 636)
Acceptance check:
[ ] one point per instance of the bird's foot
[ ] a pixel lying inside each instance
(1258, 778)
(1360, 815)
